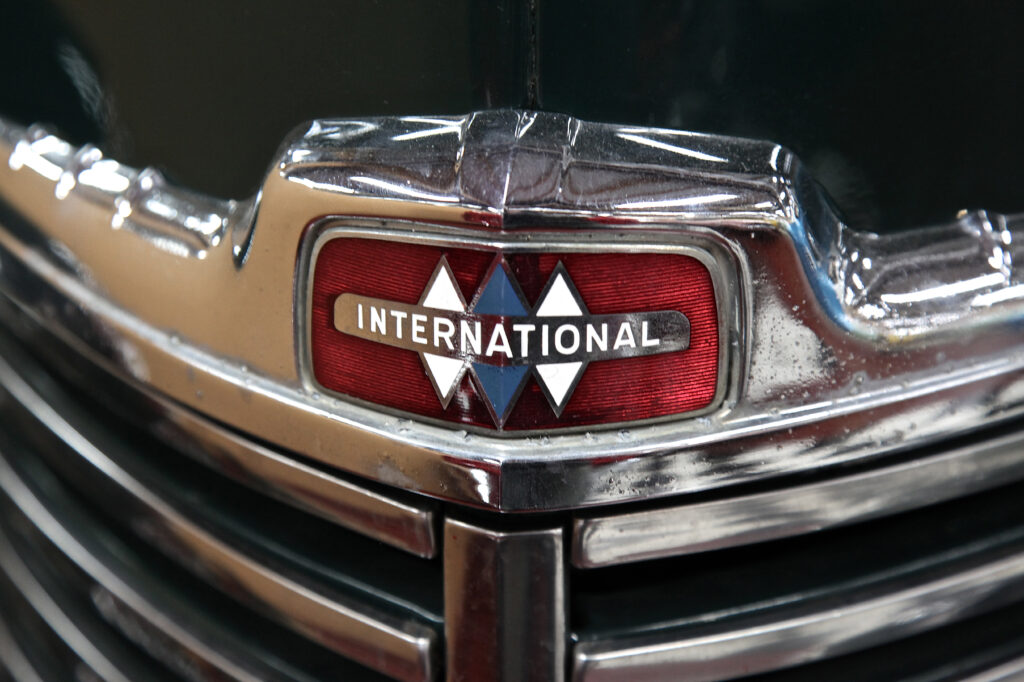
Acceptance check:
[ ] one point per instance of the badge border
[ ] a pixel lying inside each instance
(717, 255)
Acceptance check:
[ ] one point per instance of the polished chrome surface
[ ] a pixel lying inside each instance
(909, 284)
(401, 521)
(396, 646)
(722, 651)
(689, 528)
(405, 524)
(505, 603)
(1010, 671)
(102, 658)
(838, 346)
(14, 661)
(90, 559)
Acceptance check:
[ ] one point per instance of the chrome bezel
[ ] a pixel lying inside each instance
(718, 260)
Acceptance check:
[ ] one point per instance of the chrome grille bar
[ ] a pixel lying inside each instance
(14, 660)
(104, 570)
(399, 519)
(401, 648)
(1005, 672)
(108, 659)
(721, 651)
(786, 512)
(404, 523)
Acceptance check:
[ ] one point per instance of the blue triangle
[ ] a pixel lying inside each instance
(500, 384)
(499, 296)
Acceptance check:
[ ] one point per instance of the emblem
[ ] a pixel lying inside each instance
(513, 340)
(500, 338)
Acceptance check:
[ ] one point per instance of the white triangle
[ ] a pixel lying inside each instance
(559, 301)
(446, 371)
(443, 294)
(558, 378)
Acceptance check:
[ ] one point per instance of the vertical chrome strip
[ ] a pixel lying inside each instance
(505, 603)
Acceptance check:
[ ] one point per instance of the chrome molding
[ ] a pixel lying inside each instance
(405, 524)
(399, 647)
(166, 642)
(109, 576)
(14, 661)
(505, 602)
(104, 662)
(1005, 672)
(689, 528)
(842, 345)
(720, 651)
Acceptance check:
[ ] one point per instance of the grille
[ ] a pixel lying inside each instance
(190, 563)
(128, 556)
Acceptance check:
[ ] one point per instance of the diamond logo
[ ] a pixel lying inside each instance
(442, 293)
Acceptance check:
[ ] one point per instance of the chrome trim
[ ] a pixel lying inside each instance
(164, 641)
(110, 578)
(687, 529)
(13, 658)
(101, 660)
(399, 647)
(404, 523)
(724, 650)
(1004, 672)
(845, 345)
(505, 603)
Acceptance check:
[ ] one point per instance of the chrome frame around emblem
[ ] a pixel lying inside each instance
(721, 265)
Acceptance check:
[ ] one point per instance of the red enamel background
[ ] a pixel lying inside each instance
(610, 391)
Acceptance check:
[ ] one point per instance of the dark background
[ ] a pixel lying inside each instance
(905, 111)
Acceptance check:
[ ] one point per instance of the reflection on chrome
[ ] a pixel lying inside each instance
(103, 175)
(340, 131)
(681, 202)
(1008, 294)
(675, 149)
(943, 290)
(33, 155)
(400, 190)
(441, 127)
